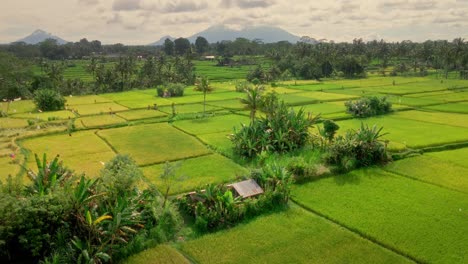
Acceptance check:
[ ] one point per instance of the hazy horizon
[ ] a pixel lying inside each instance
(136, 22)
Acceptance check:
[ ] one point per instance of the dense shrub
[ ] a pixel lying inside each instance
(282, 130)
(171, 90)
(242, 86)
(368, 106)
(359, 148)
(216, 207)
(62, 219)
(49, 100)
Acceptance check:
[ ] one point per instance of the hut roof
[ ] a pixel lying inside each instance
(247, 188)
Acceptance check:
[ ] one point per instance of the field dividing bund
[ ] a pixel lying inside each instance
(404, 133)
(432, 170)
(290, 236)
(452, 119)
(215, 124)
(197, 172)
(141, 114)
(63, 114)
(153, 143)
(87, 159)
(451, 108)
(97, 109)
(423, 221)
(100, 120)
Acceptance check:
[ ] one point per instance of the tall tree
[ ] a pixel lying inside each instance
(169, 47)
(201, 45)
(182, 46)
(203, 85)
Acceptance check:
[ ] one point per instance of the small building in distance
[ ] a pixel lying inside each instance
(210, 57)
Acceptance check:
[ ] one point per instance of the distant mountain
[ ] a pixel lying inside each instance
(217, 33)
(266, 34)
(160, 42)
(39, 36)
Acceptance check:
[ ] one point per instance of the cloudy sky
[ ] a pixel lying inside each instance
(145, 21)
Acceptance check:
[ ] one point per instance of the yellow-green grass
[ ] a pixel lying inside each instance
(153, 143)
(228, 104)
(23, 106)
(63, 114)
(278, 90)
(93, 109)
(453, 107)
(7, 167)
(82, 152)
(162, 254)
(141, 114)
(378, 81)
(188, 108)
(219, 142)
(196, 172)
(324, 96)
(100, 120)
(432, 170)
(212, 124)
(296, 99)
(456, 156)
(290, 236)
(424, 221)
(459, 120)
(317, 86)
(413, 101)
(426, 94)
(144, 103)
(198, 98)
(6, 122)
(451, 97)
(129, 95)
(323, 108)
(411, 133)
(86, 99)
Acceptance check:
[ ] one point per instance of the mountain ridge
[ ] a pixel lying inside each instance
(40, 35)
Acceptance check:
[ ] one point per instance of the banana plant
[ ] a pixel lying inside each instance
(48, 176)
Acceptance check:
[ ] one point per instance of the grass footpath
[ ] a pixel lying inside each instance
(290, 236)
(420, 220)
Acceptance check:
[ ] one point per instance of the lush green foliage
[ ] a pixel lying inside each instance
(358, 148)
(369, 106)
(171, 90)
(49, 100)
(90, 221)
(216, 207)
(281, 131)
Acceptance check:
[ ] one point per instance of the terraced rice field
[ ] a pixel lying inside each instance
(412, 210)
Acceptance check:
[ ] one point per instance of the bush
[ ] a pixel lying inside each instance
(368, 106)
(282, 130)
(359, 148)
(216, 207)
(49, 100)
(171, 90)
(63, 219)
(242, 86)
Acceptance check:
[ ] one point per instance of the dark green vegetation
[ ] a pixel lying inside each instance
(368, 106)
(63, 218)
(412, 209)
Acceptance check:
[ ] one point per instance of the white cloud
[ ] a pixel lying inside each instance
(144, 21)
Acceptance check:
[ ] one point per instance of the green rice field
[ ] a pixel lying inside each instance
(411, 210)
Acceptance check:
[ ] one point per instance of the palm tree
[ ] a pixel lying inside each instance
(202, 85)
(253, 100)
